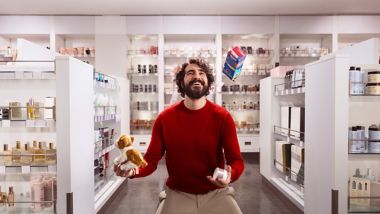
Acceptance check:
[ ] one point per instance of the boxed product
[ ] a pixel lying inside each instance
(234, 63)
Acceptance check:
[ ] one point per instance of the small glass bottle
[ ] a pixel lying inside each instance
(7, 158)
(39, 154)
(16, 152)
(51, 154)
(31, 109)
(11, 197)
(26, 155)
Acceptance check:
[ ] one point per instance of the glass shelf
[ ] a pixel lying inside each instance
(291, 136)
(241, 93)
(290, 88)
(135, 74)
(364, 204)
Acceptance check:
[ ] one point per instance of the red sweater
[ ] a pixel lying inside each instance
(193, 141)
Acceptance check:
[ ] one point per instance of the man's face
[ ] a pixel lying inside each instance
(196, 83)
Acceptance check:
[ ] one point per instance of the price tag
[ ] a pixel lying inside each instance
(25, 169)
(37, 75)
(5, 123)
(30, 123)
(52, 168)
(19, 74)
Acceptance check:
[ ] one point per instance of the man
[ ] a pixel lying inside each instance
(196, 137)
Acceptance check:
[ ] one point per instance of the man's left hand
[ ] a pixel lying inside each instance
(220, 182)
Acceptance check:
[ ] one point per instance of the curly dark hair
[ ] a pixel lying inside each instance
(179, 79)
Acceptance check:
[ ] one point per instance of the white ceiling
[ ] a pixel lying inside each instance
(190, 7)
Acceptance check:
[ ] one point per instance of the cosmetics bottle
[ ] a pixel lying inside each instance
(26, 155)
(51, 154)
(11, 197)
(37, 194)
(16, 152)
(30, 110)
(39, 154)
(7, 158)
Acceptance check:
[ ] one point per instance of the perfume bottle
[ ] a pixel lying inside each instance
(51, 154)
(30, 109)
(48, 191)
(11, 197)
(26, 155)
(16, 152)
(37, 194)
(7, 158)
(4, 197)
(49, 109)
(39, 154)
(15, 110)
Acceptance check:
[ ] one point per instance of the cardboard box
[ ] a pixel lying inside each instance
(234, 63)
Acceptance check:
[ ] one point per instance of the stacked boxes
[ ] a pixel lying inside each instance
(234, 63)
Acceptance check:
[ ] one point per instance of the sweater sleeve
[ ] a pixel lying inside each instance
(155, 151)
(231, 148)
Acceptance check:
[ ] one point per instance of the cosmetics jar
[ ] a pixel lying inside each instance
(374, 146)
(356, 137)
(220, 174)
(374, 132)
(374, 77)
(373, 88)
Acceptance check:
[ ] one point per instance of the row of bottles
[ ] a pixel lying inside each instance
(236, 106)
(240, 88)
(104, 81)
(42, 194)
(32, 111)
(26, 155)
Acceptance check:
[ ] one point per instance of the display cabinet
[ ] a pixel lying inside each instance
(300, 49)
(341, 128)
(81, 47)
(241, 97)
(144, 85)
(282, 132)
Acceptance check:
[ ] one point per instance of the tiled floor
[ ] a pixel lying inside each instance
(140, 196)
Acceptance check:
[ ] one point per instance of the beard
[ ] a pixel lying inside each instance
(196, 93)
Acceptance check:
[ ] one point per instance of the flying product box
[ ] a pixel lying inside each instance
(234, 63)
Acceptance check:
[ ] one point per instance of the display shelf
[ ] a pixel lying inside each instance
(288, 189)
(364, 205)
(241, 93)
(104, 151)
(106, 191)
(300, 49)
(27, 123)
(288, 135)
(149, 75)
(80, 46)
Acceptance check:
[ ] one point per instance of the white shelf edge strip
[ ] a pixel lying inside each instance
(106, 192)
(289, 192)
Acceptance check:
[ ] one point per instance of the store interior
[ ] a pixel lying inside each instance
(306, 103)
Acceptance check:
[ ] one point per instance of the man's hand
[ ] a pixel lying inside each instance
(122, 173)
(220, 182)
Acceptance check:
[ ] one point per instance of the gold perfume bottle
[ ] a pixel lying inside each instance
(7, 158)
(51, 154)
(31, 109)
(15, 110)
(11, 197)
(39, 154)
(16, 152)
(26, 155)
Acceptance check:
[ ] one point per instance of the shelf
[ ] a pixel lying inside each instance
(104, 151)
(105, 118)
(241, 93)
(188, 57)
(142, 55)
(144, 93)
(289, 135)
(27, 123)
(28, 169)
(301, 57)
(365, 98)
(104, 87)
(364, 204)
(242, 110)
(293, 91)
(142, 74)
(27, 75)
(105, 193)
(289, 191)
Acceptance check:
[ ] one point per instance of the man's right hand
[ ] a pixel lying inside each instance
(123, 173)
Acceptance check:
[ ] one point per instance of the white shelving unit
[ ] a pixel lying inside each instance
(285, 179)
(300, 49)
(143, 73)
(330, 111)
(107, 120)
(241, 97)
(81, 47)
